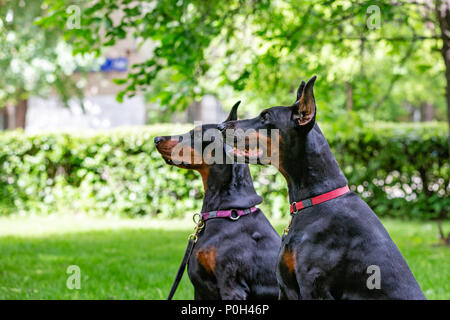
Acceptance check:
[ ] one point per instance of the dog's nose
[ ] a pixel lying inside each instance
(158, 140)
(221, 126)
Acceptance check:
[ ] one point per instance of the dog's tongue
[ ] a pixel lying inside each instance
(243, 153)
(247, 153)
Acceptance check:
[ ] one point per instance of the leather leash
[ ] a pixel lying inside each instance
(192, 240)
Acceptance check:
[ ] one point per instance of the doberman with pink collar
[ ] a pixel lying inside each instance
(336, 247)
(236, 253)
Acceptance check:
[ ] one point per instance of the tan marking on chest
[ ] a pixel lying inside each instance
(289, 260)
(207, 258)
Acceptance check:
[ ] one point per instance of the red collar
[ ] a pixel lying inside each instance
(319, 199)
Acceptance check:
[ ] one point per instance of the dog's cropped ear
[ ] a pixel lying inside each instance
(300, 91)
(233, 113)
(305, 107)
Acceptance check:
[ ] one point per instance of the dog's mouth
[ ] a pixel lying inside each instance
(248, 153)
(168, 160)
(165, 153)
(181, 164)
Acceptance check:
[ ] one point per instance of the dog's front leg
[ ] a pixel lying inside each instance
(313, 285)
(316, 268)
(230, 290)
(230, 287)
(286, 279)
(233, 294)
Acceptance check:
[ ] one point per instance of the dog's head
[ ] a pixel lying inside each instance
(267, 137)
(197, 149)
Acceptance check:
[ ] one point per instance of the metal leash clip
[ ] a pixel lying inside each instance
(286, 230)
(294, 205)
(197, 217)
(200, 224)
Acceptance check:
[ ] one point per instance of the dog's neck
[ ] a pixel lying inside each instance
(228, 186)
(310, 168)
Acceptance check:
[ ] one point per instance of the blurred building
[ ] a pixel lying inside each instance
(101, 110)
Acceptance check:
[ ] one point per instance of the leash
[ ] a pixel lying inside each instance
(300, 205)
(192, 240)
(233, 214)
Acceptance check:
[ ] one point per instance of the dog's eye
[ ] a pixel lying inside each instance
(264, 116)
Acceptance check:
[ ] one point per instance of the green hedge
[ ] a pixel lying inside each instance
(400, 169)
(120, 172)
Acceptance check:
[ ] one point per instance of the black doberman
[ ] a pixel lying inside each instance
(233, 259)
(337, 249)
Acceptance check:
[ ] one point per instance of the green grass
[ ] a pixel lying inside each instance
(138, 258)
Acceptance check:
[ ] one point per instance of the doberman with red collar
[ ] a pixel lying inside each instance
(236, 253)
(336, 247)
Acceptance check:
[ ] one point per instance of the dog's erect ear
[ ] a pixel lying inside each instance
(233, 113)
(300, 90)
(306, 105)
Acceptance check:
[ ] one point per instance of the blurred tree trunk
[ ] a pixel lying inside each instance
(444, 238)
(443, 14)
(3, 119)
(13, 117)
(427, 112)
(10, 116)
(20, 114)
(349, 91)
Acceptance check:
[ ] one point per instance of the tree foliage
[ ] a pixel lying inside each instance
(262, 49)
(33, 61)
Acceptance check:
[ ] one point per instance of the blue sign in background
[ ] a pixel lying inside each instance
(114, 64)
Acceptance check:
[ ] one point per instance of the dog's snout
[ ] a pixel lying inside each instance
(158, 140)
